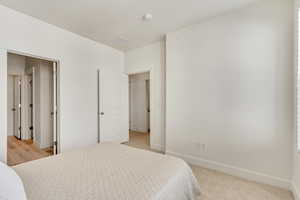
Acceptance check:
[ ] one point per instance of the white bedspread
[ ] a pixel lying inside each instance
(108, 171)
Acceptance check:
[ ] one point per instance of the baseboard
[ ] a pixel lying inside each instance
(235, 171)
(156, 147)
(295, 191)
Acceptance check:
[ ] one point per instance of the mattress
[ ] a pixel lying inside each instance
(108, 171)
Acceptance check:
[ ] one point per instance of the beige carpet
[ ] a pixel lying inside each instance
(219, 186)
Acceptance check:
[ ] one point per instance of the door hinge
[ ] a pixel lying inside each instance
(31, 128)
(55, 143)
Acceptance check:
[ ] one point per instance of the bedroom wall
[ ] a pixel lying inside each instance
(15, 64)
(3, 105)
(79, 60)
(151, 57)
(296, 155)
(229, 92)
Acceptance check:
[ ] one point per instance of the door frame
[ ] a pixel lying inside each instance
(152, 111)
(3, 101)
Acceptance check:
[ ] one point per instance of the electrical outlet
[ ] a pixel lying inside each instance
(201, 146)
(204, 147)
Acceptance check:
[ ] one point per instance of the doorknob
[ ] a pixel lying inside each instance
(13, 109)
(102, 113)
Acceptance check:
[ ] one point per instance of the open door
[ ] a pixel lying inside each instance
(98, 106)
(17, 107)
(148, 104)
(54, 108)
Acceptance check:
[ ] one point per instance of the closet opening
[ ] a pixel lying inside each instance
(139, 110)
(31, 108)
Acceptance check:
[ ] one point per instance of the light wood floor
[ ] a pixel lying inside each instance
(216, 185)
(20, 151)
(139, 140)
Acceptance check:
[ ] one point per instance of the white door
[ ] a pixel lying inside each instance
(30, 101)
(99, 112)
(148, 103)
(110, 92)
(17, 106)
(10, 106)
(54, 112)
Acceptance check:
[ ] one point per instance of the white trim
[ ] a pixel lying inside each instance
(295, 191)
(297, 56)
(235, 171)
(157, 147)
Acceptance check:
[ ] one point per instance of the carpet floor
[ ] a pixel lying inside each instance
(220, 186)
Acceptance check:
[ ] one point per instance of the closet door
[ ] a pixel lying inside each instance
(17, 106)
(99, 107)
(54, 108)
(11, 109)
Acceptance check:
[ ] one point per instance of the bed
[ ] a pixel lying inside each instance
(108, 171)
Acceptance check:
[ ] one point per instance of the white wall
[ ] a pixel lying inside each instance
(296, 161)
(79, 59)
(151, 58)
(3, 105)
(138, 102)
(15, 65)
(229, 92)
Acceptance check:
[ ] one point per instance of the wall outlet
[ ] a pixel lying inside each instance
(204, 147)
(201, 146)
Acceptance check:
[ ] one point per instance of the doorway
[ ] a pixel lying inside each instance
(139, 110)
(31, 108)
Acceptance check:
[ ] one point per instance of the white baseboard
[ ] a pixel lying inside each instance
(295, 191)
(156, 147)
(235, 171)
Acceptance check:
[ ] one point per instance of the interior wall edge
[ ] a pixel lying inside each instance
(235, 171)
(296, 156)
(295, 191)
(3, 105)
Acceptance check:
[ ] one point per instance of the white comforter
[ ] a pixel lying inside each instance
(108, 172)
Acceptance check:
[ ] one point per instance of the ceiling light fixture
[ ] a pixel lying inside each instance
(147, 17)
